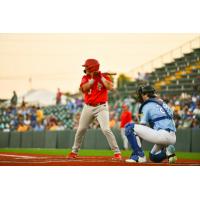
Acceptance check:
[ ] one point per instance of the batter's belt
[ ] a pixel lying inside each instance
(95, 105)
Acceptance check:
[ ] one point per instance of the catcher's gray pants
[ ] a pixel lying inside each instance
(160, 138)
(88, 114)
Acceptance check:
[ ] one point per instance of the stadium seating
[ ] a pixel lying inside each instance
(175, 77)
(61, 113)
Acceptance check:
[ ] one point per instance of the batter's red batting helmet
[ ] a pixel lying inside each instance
(92, 65)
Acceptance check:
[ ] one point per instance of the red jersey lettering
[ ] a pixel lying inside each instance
(98, 92)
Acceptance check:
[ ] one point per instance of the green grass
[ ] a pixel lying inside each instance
(62, 152)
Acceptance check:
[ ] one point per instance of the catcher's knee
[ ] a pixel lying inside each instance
(129, 129)
(157, 158)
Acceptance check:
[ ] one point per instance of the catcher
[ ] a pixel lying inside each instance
(158, 115)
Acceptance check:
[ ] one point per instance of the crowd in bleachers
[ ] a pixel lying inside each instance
(60, 117)
(186, 110)
(32, 118)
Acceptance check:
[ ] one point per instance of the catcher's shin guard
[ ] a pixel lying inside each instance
(133, 139)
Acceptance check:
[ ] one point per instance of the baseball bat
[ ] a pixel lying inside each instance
(106, 73)
(110, 73)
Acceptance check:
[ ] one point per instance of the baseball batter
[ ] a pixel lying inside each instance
(95, 86)
(157, 114)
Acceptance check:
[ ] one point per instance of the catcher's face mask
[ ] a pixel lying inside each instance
(145, 90)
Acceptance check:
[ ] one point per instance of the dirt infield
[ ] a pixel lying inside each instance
(18, 159)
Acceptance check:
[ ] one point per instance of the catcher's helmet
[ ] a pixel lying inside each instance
(147, 89)
(92, 65)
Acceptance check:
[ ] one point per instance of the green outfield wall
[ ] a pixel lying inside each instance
(188, 140)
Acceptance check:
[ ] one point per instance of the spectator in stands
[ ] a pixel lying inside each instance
(126, 117)
(129, 102)
(70, 106)
(53, 126)
(14, 122)
(195, 123)
(13, 111)
(60, 127)
(192, 103)
(177, 118)
(39, 126)
(14, 99)
(186, 117)
(39, 114)
(1, 125)
(196, 111)
(33, 116)
(58, 97)
(23, 111)
(27, 120)
(79, 103)
(23, 102)
(22, 127)
(177, 106)
(6, 128)
(52, 119)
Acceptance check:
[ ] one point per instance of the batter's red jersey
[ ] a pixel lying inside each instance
(126, 117)
(98, 92)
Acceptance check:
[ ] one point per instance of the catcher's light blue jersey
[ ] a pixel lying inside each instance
(151, 111)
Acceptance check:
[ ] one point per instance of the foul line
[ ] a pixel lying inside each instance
(19, 156)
